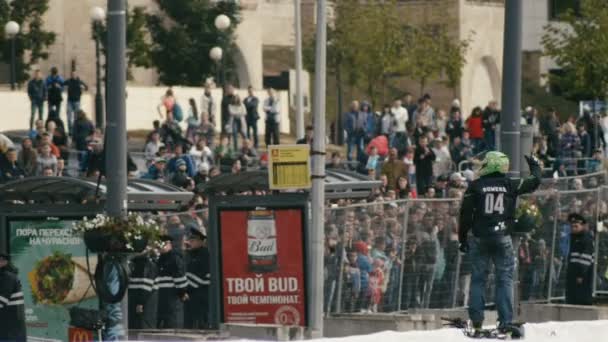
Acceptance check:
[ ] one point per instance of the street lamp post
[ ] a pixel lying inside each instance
(299, 100)
(216, 53)
(12, 30)
(222, 23)
(116, 151)
(98, 15)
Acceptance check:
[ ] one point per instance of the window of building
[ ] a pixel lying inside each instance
(559, 7)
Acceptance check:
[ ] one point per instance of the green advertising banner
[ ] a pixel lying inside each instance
(53, 272)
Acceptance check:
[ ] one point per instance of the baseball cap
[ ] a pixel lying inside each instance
(576, 218)
(457, 177)
(442, 178)
(199, 233)
(166, 237)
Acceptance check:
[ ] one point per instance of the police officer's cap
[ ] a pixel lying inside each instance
(198, 233)
(166, 238)
(576, 218)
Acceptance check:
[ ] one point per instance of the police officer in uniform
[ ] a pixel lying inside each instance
(143, 294)
(172, 287)
(488, 209)
(579, 276)
(197, 272)
(12, 310)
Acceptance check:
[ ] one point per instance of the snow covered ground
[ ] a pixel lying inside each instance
(592, 331)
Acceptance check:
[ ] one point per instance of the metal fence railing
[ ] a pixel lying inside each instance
(580, 182)
(392, 256)
(401, 255)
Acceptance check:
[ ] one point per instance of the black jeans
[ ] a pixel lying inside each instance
(252, 129)
(272, 133)
(54, 109)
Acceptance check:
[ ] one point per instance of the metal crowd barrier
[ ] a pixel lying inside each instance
(401, 255)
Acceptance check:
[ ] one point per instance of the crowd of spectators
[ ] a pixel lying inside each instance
(402, 241)
(412, 139)
(182, 149)
(383, 248)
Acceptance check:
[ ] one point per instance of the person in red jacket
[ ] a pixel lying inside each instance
(475, 129)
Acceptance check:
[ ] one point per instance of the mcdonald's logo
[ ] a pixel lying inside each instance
(80, 335)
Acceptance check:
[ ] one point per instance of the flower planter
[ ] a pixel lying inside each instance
(524, 224)
(99, 241)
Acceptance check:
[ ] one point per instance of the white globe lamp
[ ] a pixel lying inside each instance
(98, 14)
(222, 22)
(216, 53)
(11, 29)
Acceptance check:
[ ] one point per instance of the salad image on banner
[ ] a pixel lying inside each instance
(263, 266)
(53, 272)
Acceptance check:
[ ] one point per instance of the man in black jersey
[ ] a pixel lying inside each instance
(488, 210)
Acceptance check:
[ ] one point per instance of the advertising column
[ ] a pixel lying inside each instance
(54, 275)
(262, 266)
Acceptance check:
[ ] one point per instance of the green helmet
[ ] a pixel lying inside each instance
(494, 162)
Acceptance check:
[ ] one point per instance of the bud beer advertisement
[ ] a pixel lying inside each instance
(263, 266)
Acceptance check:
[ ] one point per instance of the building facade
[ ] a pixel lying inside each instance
(265, 40)
(537, 15)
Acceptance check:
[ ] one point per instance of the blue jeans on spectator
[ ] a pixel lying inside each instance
(72, 107)
(83, 160)
(477, 145)
(237, 129)
(37, 106)
(355, 140)
(499, 251)
(489, 137)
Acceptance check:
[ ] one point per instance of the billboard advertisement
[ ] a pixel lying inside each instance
(262, 266)
(53, 273)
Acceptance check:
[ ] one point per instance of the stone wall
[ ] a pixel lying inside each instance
(142, 103)
(482, 75)
(266, 34)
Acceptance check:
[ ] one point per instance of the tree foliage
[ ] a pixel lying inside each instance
(138, 42)
(32, 38)
(369, 46)
(580, 48)
(182, 35)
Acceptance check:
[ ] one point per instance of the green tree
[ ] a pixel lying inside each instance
(182, 36)
(32, 38)
(138, 45)
(364, 45)
(369, 47)
(580, 48)
(453, 58)
(424, 57)
(382, 43)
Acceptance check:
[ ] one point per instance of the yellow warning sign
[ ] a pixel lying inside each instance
(289, 167)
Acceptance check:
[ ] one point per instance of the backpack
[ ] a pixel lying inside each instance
(178, 114)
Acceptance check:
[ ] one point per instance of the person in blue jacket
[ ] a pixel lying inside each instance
(179, 154)
(54, 85)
